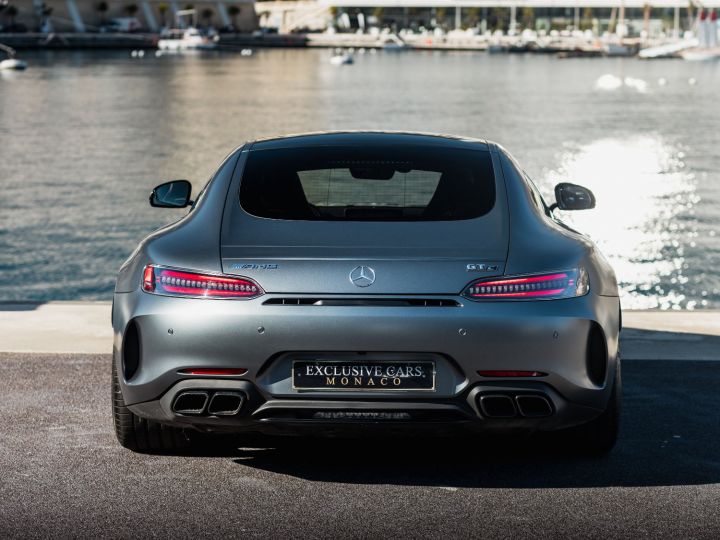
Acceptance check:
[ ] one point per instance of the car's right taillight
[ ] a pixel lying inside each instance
(551, 285)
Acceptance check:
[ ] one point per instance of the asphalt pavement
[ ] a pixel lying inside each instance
(62, 473)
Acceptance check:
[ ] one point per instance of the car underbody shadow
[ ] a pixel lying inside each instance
(669, 433)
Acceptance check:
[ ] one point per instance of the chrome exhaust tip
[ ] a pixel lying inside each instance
(191, 403)
(534, 406)
(497, 406)
(225, 403)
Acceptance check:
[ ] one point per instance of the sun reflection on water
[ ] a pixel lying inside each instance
(644, 196)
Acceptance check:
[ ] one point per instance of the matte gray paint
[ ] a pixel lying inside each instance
(544, 335)
(317, 256)
(191, 242)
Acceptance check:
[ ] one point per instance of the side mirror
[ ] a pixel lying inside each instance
(174, 194)
(573, 197)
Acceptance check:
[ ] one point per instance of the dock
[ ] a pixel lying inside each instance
(136, 41)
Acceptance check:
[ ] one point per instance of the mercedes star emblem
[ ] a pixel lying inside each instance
(362, 276)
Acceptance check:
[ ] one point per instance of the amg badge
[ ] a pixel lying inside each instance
(475, 267)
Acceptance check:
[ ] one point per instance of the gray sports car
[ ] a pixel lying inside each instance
(336, 283)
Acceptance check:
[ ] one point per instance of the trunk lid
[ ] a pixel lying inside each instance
(366, 214)
(292, 257)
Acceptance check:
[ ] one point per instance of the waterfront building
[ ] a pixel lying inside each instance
(124, 15)
(622, 16)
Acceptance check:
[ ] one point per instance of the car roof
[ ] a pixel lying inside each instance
(351, 138)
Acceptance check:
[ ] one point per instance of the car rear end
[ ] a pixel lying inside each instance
(363, 283)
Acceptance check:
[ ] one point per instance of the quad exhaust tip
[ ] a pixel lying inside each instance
(192, 403)
(533, 406)
(507, 406)
(225, 403)
(498, 406)
(203, 403)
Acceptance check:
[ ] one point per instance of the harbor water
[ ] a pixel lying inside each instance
(85, 136)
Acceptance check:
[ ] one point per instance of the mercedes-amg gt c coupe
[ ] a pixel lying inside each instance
(349, 282)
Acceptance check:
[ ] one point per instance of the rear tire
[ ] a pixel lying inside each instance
(142, 435)
(598, 437)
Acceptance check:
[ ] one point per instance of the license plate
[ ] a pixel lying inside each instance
(377, 376)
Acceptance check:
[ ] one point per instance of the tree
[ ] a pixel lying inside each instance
(102, 8)
(378, 13)
(11, 12)
(207, 15)
(586, 19)
(498, 18)
(440, 16)
(473, 15)
(234, 11)
(131, 9)
(163, 9)
(527, 17)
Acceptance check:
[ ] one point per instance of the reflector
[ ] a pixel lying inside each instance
(213, 371)
(148, 279)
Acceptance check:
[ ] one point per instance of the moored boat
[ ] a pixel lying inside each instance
(11, 62)
(190, 39)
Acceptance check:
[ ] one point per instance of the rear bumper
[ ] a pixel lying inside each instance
(304, 415)
(546, 336)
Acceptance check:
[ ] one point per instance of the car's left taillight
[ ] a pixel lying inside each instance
(173, 282)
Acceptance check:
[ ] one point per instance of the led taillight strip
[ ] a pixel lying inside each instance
(161, 280)
(528, 280)
(548, 285)
(551, 285)
(519, 294)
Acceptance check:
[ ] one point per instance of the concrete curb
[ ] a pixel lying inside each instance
(56, 327)
(84, 327)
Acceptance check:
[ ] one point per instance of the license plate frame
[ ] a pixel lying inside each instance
(409, 381)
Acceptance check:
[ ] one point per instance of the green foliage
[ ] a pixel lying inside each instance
(499, 18)
(473, 15)
(586, 19)
(527, 17)
(11, 12)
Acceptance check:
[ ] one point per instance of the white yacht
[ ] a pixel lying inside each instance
(11, 62)
(342, 58)
(188, 39)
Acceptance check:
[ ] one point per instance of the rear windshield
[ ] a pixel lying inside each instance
(384, 183)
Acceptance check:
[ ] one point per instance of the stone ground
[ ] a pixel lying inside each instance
(62, 473)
